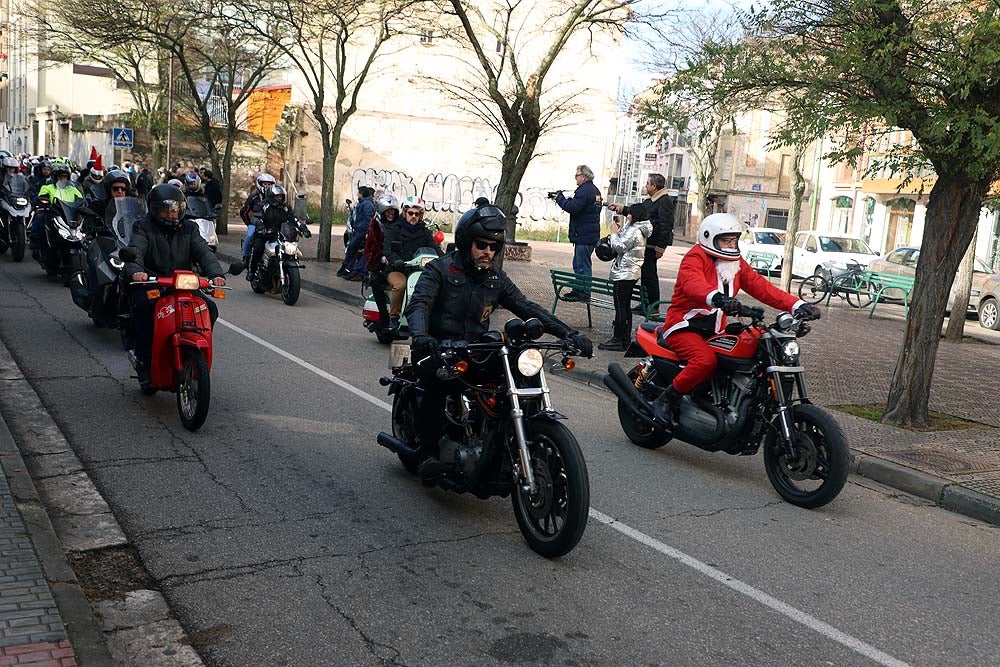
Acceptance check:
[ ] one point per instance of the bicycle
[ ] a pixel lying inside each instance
(853, 286)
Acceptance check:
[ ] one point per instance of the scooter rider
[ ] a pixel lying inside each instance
(163, 243)
(251, 211)
(454, 298)
(710, 276)
(59, 188)
(401, 243)
(387, 210)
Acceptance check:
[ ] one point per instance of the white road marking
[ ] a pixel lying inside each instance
(790, 612)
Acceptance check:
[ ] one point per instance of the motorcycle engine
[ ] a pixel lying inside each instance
(458, 457)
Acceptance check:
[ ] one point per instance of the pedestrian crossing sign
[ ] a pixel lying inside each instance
(121, 137)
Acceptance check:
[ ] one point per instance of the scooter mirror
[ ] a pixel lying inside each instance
(236, 268)
(127, 254)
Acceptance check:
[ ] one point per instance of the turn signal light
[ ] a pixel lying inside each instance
(152, 294)
(219, 293)
(569, 363)
(462, 366)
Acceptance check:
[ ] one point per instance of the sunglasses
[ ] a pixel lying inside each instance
(415, 214)
(486, 245)
(118, 188)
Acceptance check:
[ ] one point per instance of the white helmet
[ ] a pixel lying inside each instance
(714, 226)
(264, 181)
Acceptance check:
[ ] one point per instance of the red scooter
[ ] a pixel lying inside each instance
(181, 358)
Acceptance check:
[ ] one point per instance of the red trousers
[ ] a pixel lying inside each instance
(701, 360)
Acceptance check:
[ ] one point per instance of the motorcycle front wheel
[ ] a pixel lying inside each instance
(403, 427)
(194, 389)
(256, 284)
(817, 471)
(293, 283)
(553, 519)
(17, 240)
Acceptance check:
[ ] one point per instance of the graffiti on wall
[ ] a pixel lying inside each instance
(454, 194)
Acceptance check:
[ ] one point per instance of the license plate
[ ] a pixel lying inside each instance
(399, 353)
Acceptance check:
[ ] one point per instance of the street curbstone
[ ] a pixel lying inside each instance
(900, 477)
(965, 501)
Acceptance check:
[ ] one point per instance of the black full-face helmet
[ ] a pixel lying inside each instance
(485, 222)
(166, 206)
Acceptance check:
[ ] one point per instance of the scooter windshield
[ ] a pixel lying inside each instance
(289, 231)
(122, 215)
(197, 207)
(71, 212)
(17, 184)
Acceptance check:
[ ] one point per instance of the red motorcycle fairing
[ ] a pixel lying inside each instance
(738, 346)
(181, 319)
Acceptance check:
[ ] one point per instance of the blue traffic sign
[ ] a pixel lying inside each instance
(122, 137)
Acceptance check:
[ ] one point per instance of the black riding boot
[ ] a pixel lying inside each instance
(614, 344)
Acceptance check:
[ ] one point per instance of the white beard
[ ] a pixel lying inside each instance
(727, 270)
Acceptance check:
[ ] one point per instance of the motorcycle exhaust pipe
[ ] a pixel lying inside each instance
(394, 444)
(620, 386)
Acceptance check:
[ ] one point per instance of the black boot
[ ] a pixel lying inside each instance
(614, 344)
(667, 406)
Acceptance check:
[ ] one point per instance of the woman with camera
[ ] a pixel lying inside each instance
(625, 247)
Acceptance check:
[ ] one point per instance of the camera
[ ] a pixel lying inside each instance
(606, 204)
(553, 194)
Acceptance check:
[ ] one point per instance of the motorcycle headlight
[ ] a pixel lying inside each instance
(187, 281)
(529, 362)
(291, 248)
(21, 202)
(790, 352)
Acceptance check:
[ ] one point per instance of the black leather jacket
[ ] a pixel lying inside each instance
(450, 303)
(160, 254)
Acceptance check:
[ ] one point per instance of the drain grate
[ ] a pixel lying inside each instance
(988, 486)
(951, 463)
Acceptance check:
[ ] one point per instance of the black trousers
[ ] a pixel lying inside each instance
(623, 310)
(379, 286)
(142, 318)
(649, 278)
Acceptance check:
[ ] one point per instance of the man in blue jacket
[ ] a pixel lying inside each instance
(584, 225)
(353, 267)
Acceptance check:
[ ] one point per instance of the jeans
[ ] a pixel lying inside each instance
(248, 241)
(354, 256)
(582, 261)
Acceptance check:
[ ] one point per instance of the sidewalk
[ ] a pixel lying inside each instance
(849, 360)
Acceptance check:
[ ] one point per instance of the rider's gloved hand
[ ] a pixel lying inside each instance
(581, 343)
(727, 304)
(423, 346)
(807, 311)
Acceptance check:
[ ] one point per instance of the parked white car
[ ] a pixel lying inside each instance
(758, 240)
(828, 254)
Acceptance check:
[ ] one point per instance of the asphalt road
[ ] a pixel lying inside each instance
(281, 534)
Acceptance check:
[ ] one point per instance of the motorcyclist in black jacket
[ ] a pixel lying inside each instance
(163, 243)
(274, 214)
(454, 298)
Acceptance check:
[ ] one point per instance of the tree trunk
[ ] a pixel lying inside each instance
(331, 145)
(963, 286)
(222, 222)
(516, 156)
(952, 219)
(794, 217)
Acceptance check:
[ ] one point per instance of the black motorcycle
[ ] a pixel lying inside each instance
(62, 250)
(97, 290)
(501, 435)
(15, 209)
(278, 269)
(751, 400)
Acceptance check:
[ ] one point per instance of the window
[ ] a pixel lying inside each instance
(810, 244)
(800, 240)
(897, 256)
(844, 244)
(770, 238)
(911, 261)
(776, 218)
(426, 36)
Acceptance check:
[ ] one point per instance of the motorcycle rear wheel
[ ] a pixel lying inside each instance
(194, 389)
(636, 429)
(822, 456)
(17, 241)
(554, 518)
(293, 283)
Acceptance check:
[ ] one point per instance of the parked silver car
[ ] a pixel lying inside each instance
(903, 262)
(989, 297)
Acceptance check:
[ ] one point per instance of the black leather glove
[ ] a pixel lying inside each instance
(423, 346)
(582, 343)
(727, 304)
(807, 311)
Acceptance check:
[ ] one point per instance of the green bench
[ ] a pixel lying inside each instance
(885, 282)
(598, 288)
(761, 261)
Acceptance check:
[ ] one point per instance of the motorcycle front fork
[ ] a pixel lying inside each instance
(786, 407)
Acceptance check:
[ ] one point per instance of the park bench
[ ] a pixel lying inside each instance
(761, 261)
(885, 282)
(598, 288)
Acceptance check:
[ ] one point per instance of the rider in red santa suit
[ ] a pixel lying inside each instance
(710, 276)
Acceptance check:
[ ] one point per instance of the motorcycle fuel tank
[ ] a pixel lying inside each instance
(739, 346)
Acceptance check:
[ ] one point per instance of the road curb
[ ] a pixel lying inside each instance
(128, 636)
(942, 492)
(336, 293)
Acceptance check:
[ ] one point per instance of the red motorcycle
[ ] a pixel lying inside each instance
(757, 396)
(181, 358)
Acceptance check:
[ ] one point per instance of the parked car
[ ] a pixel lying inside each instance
(828, 254)
(988, 298)
(764, 240)
(903, 262)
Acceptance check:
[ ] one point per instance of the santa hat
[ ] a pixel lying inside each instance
(98, 165)
(93, 153)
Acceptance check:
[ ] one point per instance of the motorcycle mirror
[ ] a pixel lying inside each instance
(127, 254)
(514, 328)
(533, 329)
(236, 268)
